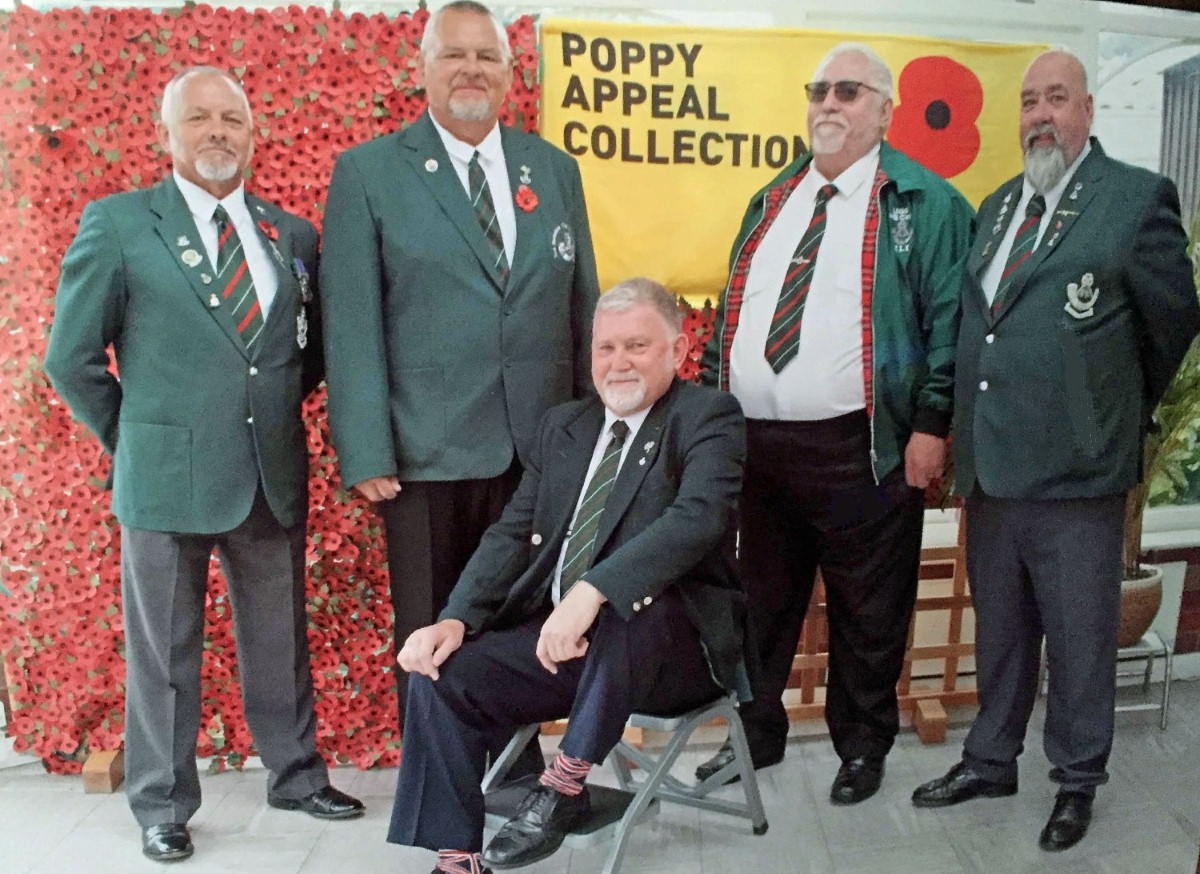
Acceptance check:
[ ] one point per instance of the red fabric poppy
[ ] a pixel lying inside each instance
(526, 199)
(939, 101)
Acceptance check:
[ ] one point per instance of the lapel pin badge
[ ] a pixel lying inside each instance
(190, 257)
(525, 177)
(431, 166)
(1075, 191)
(649, 445)
(986, 249)
(642, 460)
(205, 278)
(213, 302)
(183, 241)
(1081, 297)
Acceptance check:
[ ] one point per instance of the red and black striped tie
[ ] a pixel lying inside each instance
(1023, 245)
(237, 286)
(783, 340)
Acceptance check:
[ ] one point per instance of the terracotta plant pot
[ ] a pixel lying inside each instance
(1140, 600)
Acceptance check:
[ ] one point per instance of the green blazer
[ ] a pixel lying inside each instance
(195, 421)
(435, 370)
(1054, 390)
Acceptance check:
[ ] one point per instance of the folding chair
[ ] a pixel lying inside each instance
(616, 811)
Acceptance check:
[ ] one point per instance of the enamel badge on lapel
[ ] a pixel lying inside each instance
(1054, 237)
(902, 232)
(562, 243)
(182, 241)
(525, 177)
(649, 445)
(205, 278)
(213, 302)
(190, 257)
(431, 166)
(1081, 297)
(302, 329)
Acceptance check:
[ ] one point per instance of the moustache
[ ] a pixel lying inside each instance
(1046, 129)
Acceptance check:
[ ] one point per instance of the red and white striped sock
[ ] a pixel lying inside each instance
(566, 775)
(458, 862)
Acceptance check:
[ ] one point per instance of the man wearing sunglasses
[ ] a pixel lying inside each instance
(836, 332)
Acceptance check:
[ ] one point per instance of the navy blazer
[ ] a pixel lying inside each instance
(671, 520)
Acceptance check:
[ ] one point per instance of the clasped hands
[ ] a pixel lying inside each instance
(561, 639)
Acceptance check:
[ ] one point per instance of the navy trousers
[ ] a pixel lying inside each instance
(494, 682)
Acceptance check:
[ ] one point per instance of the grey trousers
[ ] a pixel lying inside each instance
(163, 585)
(1049, 568)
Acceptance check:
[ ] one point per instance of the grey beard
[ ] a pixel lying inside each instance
(216, 170)
(469, 110)
(1045, 168)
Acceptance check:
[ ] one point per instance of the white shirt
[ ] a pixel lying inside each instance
(260, 262)
(991, 276)
(491, 159)
(634, 421)
(825, 378)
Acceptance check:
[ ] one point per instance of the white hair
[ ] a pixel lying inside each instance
(640, 291)
(172, 94)
(431, 42)
(879, 73)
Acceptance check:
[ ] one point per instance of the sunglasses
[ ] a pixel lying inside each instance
(846, 91)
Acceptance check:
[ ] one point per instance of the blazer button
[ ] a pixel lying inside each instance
(647, 600)
(637, 605)
(254, 371)
(536, 540)
(983, 385)
(250, 421)
(990, 339)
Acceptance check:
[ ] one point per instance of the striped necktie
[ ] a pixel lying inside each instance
(581, 539)
(783, 340)
(1022, 247)
(485, 211)
(237, 285)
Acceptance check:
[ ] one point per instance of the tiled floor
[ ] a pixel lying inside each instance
(1147, 820)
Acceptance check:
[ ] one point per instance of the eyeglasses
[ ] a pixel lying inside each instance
(846, 91)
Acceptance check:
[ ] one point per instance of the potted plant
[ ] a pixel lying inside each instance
(1172, 451)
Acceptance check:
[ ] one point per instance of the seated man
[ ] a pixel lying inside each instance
(608, 586)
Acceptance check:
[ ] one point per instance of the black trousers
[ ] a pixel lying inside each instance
(1052, 569)
(494, 683)
(433, 529)
(810, 500)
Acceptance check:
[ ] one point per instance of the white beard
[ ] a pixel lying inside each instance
(624, 397)
(216, 168)
(1045, 166)
(462, 109)
(828, 139)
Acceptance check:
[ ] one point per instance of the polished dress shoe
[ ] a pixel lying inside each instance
(725, 755)
(327, 803)
(168, 842)
(961, 783)
(857, 780)
(537, 829)
(1068, 823)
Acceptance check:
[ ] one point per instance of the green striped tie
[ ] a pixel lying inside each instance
(237, 287)
(1022, 247)
(582, 536)
(485, 211)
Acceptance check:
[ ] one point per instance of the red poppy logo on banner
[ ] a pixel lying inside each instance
(938, 104)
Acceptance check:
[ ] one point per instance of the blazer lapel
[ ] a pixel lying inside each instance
(1080, 190)
(529, 224)
(571, 455)
(423, 149)
(986, 244)
(280, 254)
(178, 232)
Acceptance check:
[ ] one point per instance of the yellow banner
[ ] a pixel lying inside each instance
(676, 127)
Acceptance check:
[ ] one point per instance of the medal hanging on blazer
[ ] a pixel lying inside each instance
(301, 274)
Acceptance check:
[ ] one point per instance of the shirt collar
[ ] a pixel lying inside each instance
(1054, 195)
(201, 204)
(853, 177)
(489, 150)
(633, 420)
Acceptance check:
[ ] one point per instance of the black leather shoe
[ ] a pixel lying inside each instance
(327, 803)
(857, 780)
(725, 755)
(169, 842)
(1068, 823)
(538, 828)
(960, 783)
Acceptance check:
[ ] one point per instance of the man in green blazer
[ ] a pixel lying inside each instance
(1078, 305)
(207, 296)
(459, 285)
